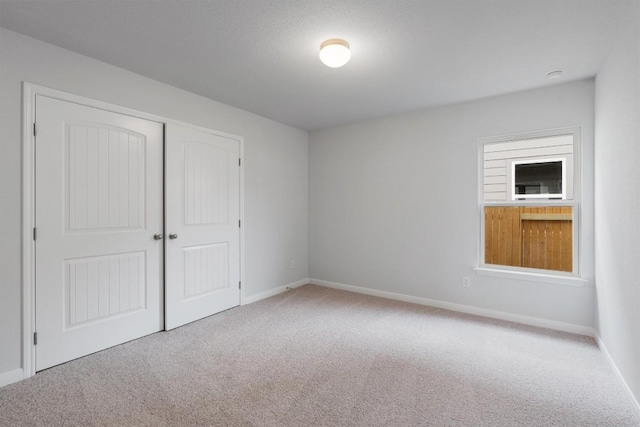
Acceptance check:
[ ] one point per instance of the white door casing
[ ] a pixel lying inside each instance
(202, 209)
(98, 204)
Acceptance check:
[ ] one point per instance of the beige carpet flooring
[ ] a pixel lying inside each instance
(321, 357)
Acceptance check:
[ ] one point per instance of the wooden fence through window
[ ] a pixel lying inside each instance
(533, 237)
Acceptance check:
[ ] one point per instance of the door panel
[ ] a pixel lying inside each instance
(202, 214)
(99, 271)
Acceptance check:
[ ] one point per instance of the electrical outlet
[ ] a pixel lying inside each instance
(293, 264)
(466, 282)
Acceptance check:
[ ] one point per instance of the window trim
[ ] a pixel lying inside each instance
(573, 278)
(532, 275)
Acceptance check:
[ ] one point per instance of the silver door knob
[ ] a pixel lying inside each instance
(173, 236)
(157, 236)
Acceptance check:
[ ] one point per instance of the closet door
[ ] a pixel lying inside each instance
(202, 208)
(99, 269)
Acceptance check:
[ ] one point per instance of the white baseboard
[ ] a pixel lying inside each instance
(532, 321)
(11, 377)
(272, 292)
(613, 365)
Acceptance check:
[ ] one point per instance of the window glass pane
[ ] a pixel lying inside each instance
(532, 168)
(538, 178)
(529, 236)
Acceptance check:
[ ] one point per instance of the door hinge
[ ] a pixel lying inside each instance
(35, 129)
(35, 338)
(35, 233)
(239, 162)
(239, 285)
(239, 225)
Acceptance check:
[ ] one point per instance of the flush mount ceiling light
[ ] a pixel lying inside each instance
(335, 53)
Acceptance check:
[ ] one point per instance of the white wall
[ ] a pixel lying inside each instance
(394, 202)
(617, 194)
(276, 167)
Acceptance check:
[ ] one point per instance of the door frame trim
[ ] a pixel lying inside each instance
(29, 93)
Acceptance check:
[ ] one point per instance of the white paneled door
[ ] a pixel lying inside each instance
(99, 219)
(202, 211)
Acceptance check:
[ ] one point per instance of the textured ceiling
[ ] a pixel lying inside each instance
(262, 55)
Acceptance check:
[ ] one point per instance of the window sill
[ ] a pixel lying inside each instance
(532, 277)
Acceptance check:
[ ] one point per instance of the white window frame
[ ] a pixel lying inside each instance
(520, 197)
(522, 273)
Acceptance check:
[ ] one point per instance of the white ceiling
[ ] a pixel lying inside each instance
(262, 55)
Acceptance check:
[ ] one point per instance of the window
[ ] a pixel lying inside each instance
(529, 202)
(538, 179)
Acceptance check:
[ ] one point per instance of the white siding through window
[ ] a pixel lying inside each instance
(497, 158)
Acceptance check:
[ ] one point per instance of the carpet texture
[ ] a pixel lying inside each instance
(320, 357)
